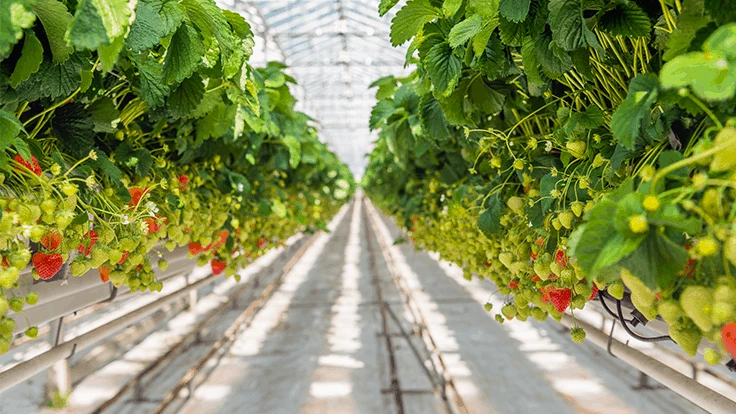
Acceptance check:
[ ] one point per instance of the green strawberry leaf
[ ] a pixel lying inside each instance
(56, 20)
(12, 22)
(465, 30)
(514, 10)
(97, 23)
(569, 27)
(29, 61)
(295, 149)
(625, 19)
(489, 221)
(186, 97)
(410, 19)
(147, 29)
(183, 56)
(627, 121)
(385, 6)
(73, 125)
(443, 67)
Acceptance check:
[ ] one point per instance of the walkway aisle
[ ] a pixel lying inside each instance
(318, 346)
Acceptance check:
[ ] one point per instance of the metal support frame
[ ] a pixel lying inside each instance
(683, 385)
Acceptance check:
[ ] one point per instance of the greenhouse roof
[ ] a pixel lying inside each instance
(335, 49)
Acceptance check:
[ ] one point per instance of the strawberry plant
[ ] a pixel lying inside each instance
(559, 147)
(130, 127)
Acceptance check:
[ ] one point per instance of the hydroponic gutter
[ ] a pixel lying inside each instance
(688, 388)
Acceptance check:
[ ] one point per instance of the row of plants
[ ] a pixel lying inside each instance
(566, 147)
(127, 128)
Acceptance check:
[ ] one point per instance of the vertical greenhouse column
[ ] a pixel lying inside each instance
(59, 378)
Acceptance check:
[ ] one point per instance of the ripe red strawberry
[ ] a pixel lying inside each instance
(262, 242)
(536, 279)
(560, 299)
(183, 180)
(51, 240)
(195, 247)
(47, 265)
(136, 193)
(217, 266)
(104, 273)
(90, 239)
(223, 237)
(514, 284)
(153, 225)
(124, 256)
(561, 258)
(545, 293)
(33, 165)
(595, 292)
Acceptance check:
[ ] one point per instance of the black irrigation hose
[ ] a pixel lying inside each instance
(634, 334)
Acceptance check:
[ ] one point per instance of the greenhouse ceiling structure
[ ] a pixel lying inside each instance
(334, 49)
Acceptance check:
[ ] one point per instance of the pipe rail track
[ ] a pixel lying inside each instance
(136, 382)
(444, 383)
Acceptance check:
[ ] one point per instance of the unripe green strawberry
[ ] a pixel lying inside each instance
(521, 317)
(78, 267)
(129, 244)
(98, 256)
(135, 259)
(134, 284)
(48, 206)
(4, 345)
(114, 255)
(488, 306)
(7, 325)
(118, 277)
(638, 224)
(506, 258)
(578, 302)
(697, 302)
(64, 218)
(725, 293)
(712, 356)
(729, 249)
(36, 233)
(32, 332)
(105, 235)
(20, 258)
(566, 218)
(725, 159)
(577, 334)
(567, 277)
(556, 223)
(616, 289)
(522, 311)
(170, 245)
(723, 312)
(584, 290)
(515, 203)
(687, 336)
(230, 271)
(577, 148)
(542, 268)
(16, 304)
(202, 260)
(555, 268)
(577, 208)
(539, 314)
(8, 277)
(31, 298)
(707, 246)
(670, 311)
(499, 318)
(163, 264)
(4, 305)
(509, 311)
(25, 214)
(69, 189)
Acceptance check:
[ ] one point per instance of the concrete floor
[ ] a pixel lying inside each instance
(318, 346)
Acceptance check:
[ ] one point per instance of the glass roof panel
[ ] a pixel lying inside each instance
(335, 50)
